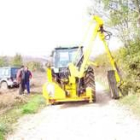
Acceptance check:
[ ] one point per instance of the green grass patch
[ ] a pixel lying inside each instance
(33, 104)
(1, 136)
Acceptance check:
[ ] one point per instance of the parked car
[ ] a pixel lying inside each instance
(8, 77)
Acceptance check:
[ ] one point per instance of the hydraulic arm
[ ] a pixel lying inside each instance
(98, 31)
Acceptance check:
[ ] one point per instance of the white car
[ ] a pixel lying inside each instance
(8, 77)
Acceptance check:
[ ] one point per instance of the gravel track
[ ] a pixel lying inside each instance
(104, 120)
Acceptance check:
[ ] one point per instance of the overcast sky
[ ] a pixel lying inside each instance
(35, 27)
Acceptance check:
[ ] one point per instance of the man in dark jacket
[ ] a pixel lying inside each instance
(28, 76)
(21, 80)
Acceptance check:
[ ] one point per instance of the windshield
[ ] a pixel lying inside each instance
(63, 57)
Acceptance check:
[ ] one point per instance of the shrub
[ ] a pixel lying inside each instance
(34, 66)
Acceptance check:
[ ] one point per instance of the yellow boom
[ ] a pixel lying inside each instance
(98, 31)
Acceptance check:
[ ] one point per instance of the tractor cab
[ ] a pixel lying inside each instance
(62, 56)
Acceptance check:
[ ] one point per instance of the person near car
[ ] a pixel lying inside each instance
(28, 76)
(21, 80)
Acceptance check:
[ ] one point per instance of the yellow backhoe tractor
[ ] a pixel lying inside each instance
(70, 77)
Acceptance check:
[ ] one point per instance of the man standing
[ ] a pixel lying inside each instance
(21, 80)
(28, 76)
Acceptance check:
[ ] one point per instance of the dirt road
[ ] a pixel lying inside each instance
(105, 120)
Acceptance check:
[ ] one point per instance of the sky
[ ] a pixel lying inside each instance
(35, 27)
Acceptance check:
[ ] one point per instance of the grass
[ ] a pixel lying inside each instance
(133, 102)
(3, 130)
(34, 103)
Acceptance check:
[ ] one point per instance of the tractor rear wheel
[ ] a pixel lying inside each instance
(90, 82)
(114, 92)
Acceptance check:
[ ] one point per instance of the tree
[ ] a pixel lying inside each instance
(4, 61)
(34, 66)
(123, 16)
(17, 60)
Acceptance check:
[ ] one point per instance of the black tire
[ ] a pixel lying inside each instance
(114, 92)
(89, 81)
(4, 86)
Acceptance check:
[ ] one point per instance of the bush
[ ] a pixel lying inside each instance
(34, 66)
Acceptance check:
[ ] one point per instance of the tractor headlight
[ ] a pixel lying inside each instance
(50, 90)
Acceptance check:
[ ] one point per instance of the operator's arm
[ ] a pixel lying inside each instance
(30, 75)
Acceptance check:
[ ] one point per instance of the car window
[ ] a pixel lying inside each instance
(5, 72)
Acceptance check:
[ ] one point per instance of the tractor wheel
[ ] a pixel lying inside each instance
(114, 92)
(90, 82)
